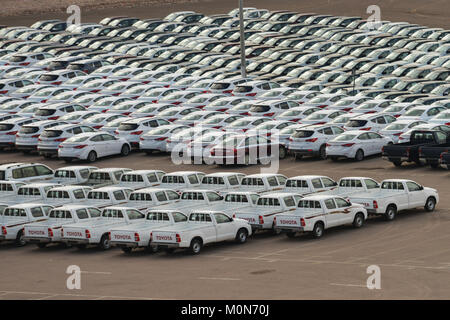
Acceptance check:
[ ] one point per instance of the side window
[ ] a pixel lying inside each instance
(119, 195)
(329, 203)
(78, 130)
(233, 180)
(79, 194)
(371, 184)
(413, 186)
(328, 182)
(84, 173)
(213, 197)
(37, 212)
(179, 217)
(272, 181)
(289, 202)
(282, 180)
(172, 195)
(317, 183)
(193, 179)
(254, 198)
(222, 218)
(43, 171)
(29, 172)
(161, 196)
(152, 177)
(46, 209)
(341, 203)
(94, 212)
(81, 214)
(328, 131)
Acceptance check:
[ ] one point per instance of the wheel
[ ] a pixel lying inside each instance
(241, 236)
(151, 249)
(196, 246)
(20, 241)
(290, 234)
(81, 246)
(282, 152)
(125, 150)
(359, 156)
(148, 152)
(323, 152)
(127, 249)
(41, 245)
(297, 156)
(430, 204)
(397, 163)
(391, 212)
(318, 230)
(104, 242)
(92, 156)
(358, 221)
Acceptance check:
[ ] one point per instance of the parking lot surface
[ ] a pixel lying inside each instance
(412, 252)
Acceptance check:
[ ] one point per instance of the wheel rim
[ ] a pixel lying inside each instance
(430, 204)
(196, 247)
(391, 213)
(92, 157)
(106, 244)
(359, 155)
(318, 231)
(322, 153)
(242, 236)
(125, 150)
(358, 221)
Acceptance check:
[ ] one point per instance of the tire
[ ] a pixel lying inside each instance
(41, 245)
(323, 152)
(104, 243)
(196, 246)
(127, 249)
(318, 230)
(20, 242)
(430, 204)
(241, 236)
(151, 249)
(397, 163)
(81, 246)
(358, 221)
(282, 152)
(391, 212)
(297, 156)
(148, 152)
(291, 234)
(92, 156)
(125, 150)
(359, 156)
(47, 156)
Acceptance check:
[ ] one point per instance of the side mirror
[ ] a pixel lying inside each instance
(421, 188)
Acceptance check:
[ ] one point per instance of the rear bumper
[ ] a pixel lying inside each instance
(304, 152)
(37, 240)
(165, 245)
(25, 147)
(290, 229)
(75, 241)
(122, 244)
(47, 151)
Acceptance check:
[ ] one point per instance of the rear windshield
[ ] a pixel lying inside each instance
(303, 134)
(58, 65)
(6, 126)
(356, 123)
(28, 130)
(51, 133)
(244, 89)
(128, 126)
(259, 108)
(2, 175)
(45, 112)
(48, 77)
(17, 59)
(220, 86)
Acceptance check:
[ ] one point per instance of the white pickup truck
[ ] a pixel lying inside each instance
(137, 235)
(396, 195)
(15, 217)
(108, 196)
(309, 184)
(105, 177)
(72, 175)
(33, 192)
(60, 196)
(203, 227)
(147, 198)
(96, 232)
(263, 182)
(50, 231)
(138, 179)
(261, 216)
(181, 180)
(316, 213)
(9, 188)
(222, 182)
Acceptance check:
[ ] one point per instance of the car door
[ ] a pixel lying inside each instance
(376, 142)
(225, 227)
(343, 215)
(110, 145)
(332, 212)
(98, 145)
(364, 144)
(416, 196)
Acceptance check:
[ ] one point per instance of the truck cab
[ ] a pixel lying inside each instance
(33, 192)
(105, 177)
(222, 182)
(146, 198)
(108, 196)
(309, 184)
(138, 179)
(263, 182)
(181, 180)
(72, 174)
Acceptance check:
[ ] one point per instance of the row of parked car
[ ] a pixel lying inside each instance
(174, 85)
(151, 209)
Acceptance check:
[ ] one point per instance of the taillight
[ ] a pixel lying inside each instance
(35, 136)
(176, 103)
(87, 233)
(24, 63)
(50, 232)
(81, 146)
(302, 222)
(56, 83)
(62, 232)
(251, 94)
(348, 144)
(11, 133)
(4, 92)
(227, 91)
(136, 237)
(261, 220)
(60, 139)
(311, 140)
(375, 204)
(178, 237)
(137, 133)
(274, 221)
(161, 139)
(234, 215)
(109, 236)
(97, 127)
(151, 236)
(4, 232)
(397, 134)
(270, 114)
(366, 129)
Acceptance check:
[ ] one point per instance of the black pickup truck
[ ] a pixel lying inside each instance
(432, 154)
(409, 151)
(444, 160)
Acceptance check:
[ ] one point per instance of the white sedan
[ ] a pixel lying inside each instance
(356, 145)
(93, 145)
(155, 140)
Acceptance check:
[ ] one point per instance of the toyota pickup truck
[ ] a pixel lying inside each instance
(222, 182)
(50, 231)
(9, 188)
(261, 216)
(15, 217)
(444, 160)
(263, 182)
(108, 196)
(396, 195)
(409, 151)
(432, 154)
(315, 213)
(33, 192)
(147, 198)
(96, 232)
(309, 184)
(72, 175)
(105, 177)
(60, 196)
(137, 235)
(138, 179)
(202, 228)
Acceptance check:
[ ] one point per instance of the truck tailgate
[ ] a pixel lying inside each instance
(36, 231)
(164, 237)
(288, 220)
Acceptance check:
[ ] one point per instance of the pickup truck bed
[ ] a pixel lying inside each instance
(431, 154)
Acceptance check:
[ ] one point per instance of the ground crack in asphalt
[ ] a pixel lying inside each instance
(262, 271)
